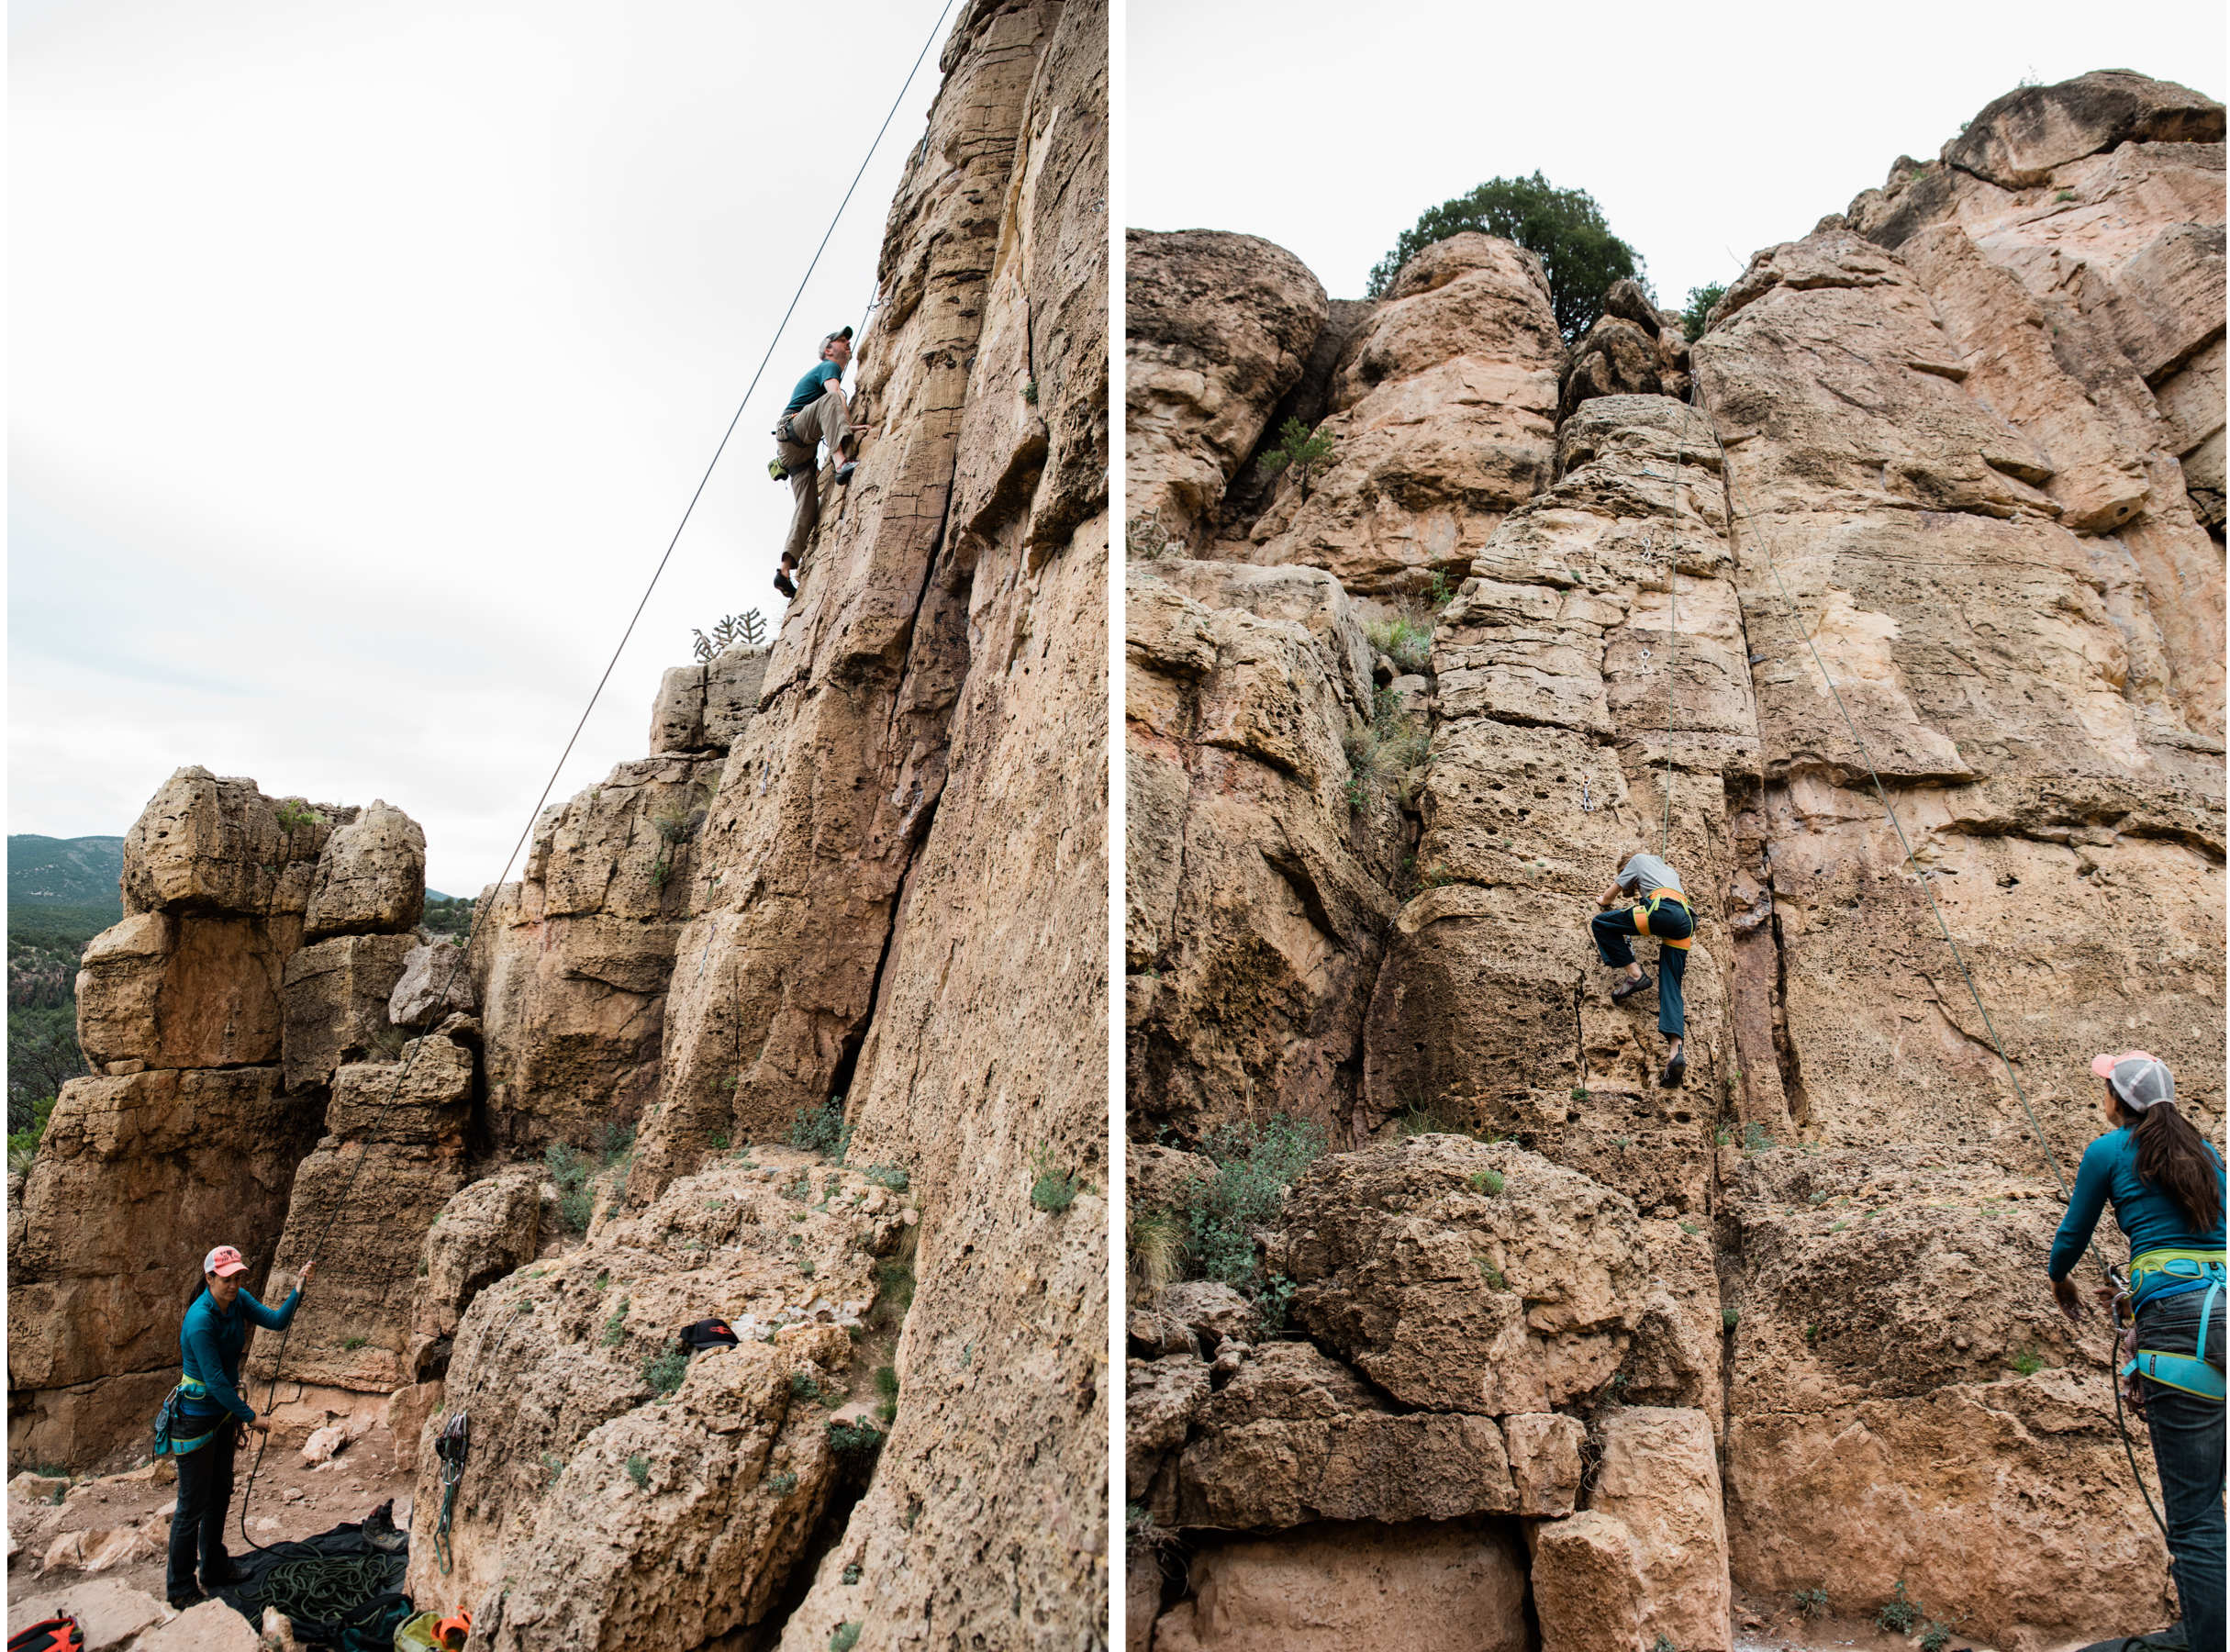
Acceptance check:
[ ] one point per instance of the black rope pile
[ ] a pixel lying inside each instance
(327, 1588)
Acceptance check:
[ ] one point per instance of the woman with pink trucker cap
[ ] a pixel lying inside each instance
(208, 1411)
(2166, 1182)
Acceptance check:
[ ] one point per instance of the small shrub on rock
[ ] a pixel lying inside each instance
(1254, 1165)
(663, 1371)
(638, 1470)
(1901, 1613)
(615, 1328)
(804, 1386)
(845, 1637)
(782, 1484)
(822, 1130)
(1485, 1181)
(888, 1176)
(1811, 1602)
(855, 1440)
(1053, 1190)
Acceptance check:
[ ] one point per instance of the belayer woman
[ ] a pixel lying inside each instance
(2167, 1187)
(203, 1422)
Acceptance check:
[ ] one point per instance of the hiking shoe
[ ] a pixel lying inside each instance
(186, 1603)
(843, 471)
(1675, 1070)
(1626, 989)
(783, 584)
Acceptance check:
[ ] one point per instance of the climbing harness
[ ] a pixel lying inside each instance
(1726, 470)
(2185, 1271)
(451, 1446)
(1644, 910)
(167, 1442)
(480, 911)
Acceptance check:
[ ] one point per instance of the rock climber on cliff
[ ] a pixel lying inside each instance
(2166, 1182)
(205, 1415)
(1660, 910)
(817, 413)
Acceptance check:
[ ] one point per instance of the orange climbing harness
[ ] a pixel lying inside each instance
(1647, 910)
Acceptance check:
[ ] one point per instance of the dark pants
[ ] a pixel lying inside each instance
(1612, 929)
(2188, 1450)
(204, 1494)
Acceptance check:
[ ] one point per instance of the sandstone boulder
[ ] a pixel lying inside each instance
(1330, 1587)
(572, 963)
(705, 708)
(734, 1470)
(436, 981)
(2018, 139)
(1159, 1178)
(1220, 327)
(1162, 1399)
(1447, 399)
(220, 846)
(335, 994)
(1884, 1420)
(1296, 1436)
(1461, 1275)
(185, 990)
(1215, 1313)
(488, 1230)
(1544, 1466)
(1659, 1479)
(371, 876)
(110, 1614)
(1586, 1584)
(361, 1203)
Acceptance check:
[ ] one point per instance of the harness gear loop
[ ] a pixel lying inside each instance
(1644, 910)
(451, 1446)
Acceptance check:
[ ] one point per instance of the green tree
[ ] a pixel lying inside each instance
(1564, 226)
(1300, 449)
(1699, 302)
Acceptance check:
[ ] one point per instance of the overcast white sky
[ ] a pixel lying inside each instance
(1705, 131)
(363, 358)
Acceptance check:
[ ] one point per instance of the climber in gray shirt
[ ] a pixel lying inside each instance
(1660, 910)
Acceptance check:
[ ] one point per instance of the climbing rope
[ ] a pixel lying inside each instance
(480, 911)
(1921, 878)
(324, 1588)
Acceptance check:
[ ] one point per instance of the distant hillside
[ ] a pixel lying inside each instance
(61, 893)
(78, 871)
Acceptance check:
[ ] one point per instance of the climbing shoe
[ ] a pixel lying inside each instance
(1626, 989)
(843, 471)
(1675, 1070)
(783, 584)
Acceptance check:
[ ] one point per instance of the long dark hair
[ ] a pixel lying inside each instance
(2174, 1157)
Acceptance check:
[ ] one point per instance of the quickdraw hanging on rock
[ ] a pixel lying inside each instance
(451, 1446)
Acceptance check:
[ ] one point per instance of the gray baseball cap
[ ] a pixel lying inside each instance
(2139, 1078)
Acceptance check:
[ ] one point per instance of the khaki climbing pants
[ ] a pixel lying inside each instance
(824, 420)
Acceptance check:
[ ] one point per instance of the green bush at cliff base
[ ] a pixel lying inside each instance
(1565, 226)
(1254, 1165)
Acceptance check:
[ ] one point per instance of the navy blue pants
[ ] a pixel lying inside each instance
(2188, 1451)
(1613, 931)
(205, 1493)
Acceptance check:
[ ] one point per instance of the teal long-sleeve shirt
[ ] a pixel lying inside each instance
(2152, 1220)
(210, 1343)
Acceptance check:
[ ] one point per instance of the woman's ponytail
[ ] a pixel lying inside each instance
(2173, 1156)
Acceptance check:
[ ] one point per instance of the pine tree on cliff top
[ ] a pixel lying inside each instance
(1564, 226)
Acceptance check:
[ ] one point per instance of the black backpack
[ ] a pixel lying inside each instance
(49, 1635)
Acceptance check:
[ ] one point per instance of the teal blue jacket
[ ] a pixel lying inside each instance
(2152, 1220)
(210, 1343)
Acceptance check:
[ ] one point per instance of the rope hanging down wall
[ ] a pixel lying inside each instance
(480, 914)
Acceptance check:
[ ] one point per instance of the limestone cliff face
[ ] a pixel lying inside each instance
(1941, 482)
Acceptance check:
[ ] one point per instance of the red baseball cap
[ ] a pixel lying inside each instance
(224, 1262)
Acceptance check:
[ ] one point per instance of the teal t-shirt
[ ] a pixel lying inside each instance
(809, 387)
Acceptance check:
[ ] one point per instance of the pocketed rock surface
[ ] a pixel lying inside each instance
(1927, 518)
(736, 1464)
